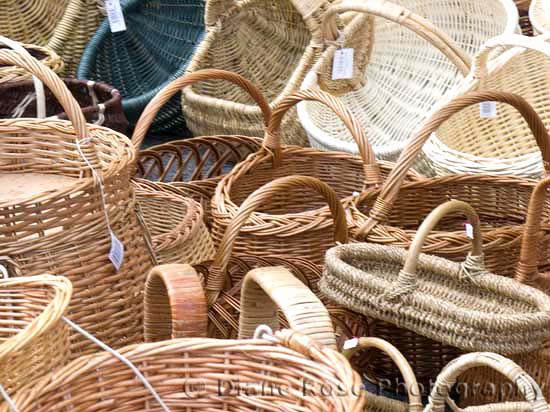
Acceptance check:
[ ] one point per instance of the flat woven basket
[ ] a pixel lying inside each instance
(199, 376)
(156, 47)
(272, 43)
(175, 224)
(498, 143)
(46, 56)
(33, 339)
(53, 213)
(539, 13)
(406, 57)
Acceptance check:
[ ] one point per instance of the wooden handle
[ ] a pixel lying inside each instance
(266, 290)
(272, 140)
(162, 97)
(400, 15)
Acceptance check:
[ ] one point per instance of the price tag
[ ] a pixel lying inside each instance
(351, 343)
(116, 254)
(342, 64)
(488, 109)
(115, 16)
(469, 230)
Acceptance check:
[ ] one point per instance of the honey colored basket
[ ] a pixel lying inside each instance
(33, 338)
(539, 13)
(65, 191)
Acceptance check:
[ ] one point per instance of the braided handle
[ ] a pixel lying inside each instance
(383, 205)
(151, 110)
(216, 278)
(272, 140)
(400, 15)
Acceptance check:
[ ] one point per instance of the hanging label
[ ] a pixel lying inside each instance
(115, 16)
(469, 230)
(350, 343)
(342, 64)
(116, 254)
(488, 109)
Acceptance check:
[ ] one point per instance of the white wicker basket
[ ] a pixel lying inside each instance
(539, 14)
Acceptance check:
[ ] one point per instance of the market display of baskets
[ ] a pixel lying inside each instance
(539, 13)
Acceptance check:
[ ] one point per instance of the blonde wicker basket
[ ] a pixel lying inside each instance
(47, 57)
(406, 57)
(498, 143)
(272, 43)
(65, 190)
(539, 13)
(33, 338)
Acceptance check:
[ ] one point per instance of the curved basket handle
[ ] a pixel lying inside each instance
(400, 15)
(216, 278)
(174, 304)
(383, 204)
(175, 86)
(406, 281)
(272, 141)
(448, 377)
(265, 290)
(413, 390)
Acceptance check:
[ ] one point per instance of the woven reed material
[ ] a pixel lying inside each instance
(46, 56)
(161, 34)
(272, 43)
(429, 46)
(100, 103)
(285, 364)
(175, 224)
(33, 339)
(63, 230)
(539, 13)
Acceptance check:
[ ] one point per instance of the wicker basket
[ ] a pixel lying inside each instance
(175, 224)
(539, 13)
(54, 213)
(503, 145)
(160, 39)
(404, 62)
(33, 339)
(46, 56)
(272, 43)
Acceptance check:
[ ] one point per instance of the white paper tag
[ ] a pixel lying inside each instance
(488, 109)
(351, 343)
(342, 64)
(469, 230)
(115, 16)
(116, 254)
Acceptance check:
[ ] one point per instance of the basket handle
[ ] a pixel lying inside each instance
(216, 278)
(265, 290)
(406, 281)
(400, 15)
(448, 377)
(272, 141)
(389, 192)
(175, 86)
(413, 390)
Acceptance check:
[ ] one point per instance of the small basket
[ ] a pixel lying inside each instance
(33, 338)
(539, 13)
(47, 57)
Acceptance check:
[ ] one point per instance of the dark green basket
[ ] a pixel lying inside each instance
(160, 40)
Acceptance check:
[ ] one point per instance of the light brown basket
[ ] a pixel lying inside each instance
(47, 57)
(33, 338)
(54, 220)
(539, 13)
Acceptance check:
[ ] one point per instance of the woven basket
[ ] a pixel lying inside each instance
(160, 39)
(54, 219)
(539, 13)
(468, 143)
(272, 43)
(33, 339)
(175, 224)
(406, 57)
(46, 56)
(193, 167)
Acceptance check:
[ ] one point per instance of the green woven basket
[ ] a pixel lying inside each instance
(160, 39)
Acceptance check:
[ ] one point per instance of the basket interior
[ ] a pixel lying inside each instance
(164, 215)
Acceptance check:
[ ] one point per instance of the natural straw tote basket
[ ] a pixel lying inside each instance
(402, 66)
(503, 145)
(156, 47)
(450, 375)
(33, 339)
(54, 211)
(174, 223)
(284, 371)
(539, 13)
(272, 43)
(46, 56)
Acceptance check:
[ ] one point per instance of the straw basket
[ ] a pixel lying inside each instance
(159, 40)
(65, 191)
(273, 43)
(46, 56)
(471, 143)
(175, 225)
(33, 339)
(406, 56)
(539, 13)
